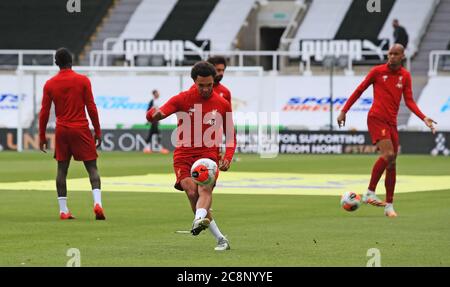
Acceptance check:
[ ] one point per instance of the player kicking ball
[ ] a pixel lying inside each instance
(203, 118)
(71, 93)
(390, 81)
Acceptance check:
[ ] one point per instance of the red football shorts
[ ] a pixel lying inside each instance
(76, 142)
(380, 130)
(182, 164)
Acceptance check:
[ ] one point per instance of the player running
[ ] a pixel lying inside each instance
(389, 82)
(203, 118)
(71, 93)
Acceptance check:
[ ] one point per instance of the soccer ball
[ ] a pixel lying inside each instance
(204, 171)
(350, 201)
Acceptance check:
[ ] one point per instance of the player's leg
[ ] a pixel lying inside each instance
(83, 149)
(149, 135)
(390, 179)
(201, 222)
(190, 188)
(222, 241)
(94, 178)
(204, 198)
(159, 140)
(62, 155)
(148, 140)
(380, 133)
(387, 155)
(154, 145)
(205, 201)
(61, 176)
(184, 182)
(61, 189)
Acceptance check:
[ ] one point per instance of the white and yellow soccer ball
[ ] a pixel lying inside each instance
(204, 171)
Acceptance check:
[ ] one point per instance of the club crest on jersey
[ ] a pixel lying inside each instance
(221, 94)
(212, 121)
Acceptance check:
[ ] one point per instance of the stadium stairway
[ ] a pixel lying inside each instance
(186, 20)
(112, 26)
(437, 37)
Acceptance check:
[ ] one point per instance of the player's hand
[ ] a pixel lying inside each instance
(429, 122)
(98, 141)
(341, 119)
(224, 164)
(43, 146)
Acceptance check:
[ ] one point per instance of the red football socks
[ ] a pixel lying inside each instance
(389, 183)
(377, 171)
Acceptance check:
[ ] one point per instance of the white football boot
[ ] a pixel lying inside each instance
(199, 225)
(223, 244)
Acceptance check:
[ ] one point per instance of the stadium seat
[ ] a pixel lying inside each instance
(321, 21)
(48, 25)
(146, 20)
(188, 14)
(224, 23)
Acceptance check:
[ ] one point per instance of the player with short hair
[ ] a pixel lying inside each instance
(203, 118)
(220, 64)
(71, 93)
(390, 81)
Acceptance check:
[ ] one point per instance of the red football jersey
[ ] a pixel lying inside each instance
(222, 91)
(388, 88)
(71, 93)
(201, 123)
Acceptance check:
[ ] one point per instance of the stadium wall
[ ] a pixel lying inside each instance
(289, 142)
(303, 103)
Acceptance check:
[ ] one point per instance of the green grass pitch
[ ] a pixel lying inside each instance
(264, 230)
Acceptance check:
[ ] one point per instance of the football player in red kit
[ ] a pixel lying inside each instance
(71, 93)
(220, 64)
(203, 118)
(390, 81)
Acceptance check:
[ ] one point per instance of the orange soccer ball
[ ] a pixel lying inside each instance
(204, 171)
(350, 201)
